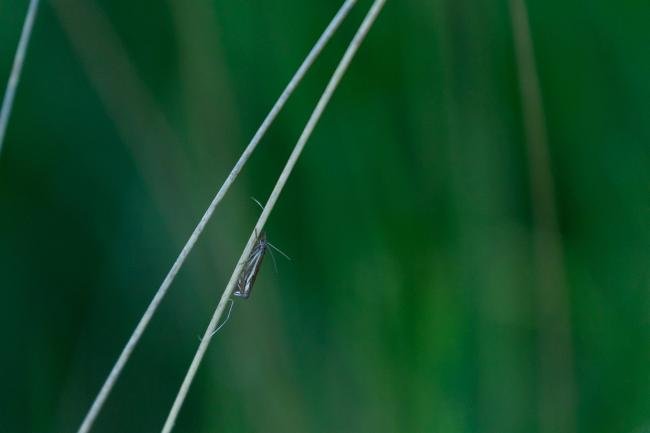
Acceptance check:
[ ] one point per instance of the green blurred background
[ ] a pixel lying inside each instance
(438, 284)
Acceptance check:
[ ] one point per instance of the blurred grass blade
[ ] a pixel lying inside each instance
(162, 290)
(286, 172)
(556, 405)
(16, 69)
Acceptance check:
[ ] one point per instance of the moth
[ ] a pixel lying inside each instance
(252, 266)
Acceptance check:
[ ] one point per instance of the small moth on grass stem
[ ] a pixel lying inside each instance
(252, 266)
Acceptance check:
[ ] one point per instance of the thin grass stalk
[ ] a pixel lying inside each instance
(16, 69)
(557, 390)
(259, 226)
(106, 388)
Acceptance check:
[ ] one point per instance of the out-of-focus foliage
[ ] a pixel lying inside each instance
(412, 300)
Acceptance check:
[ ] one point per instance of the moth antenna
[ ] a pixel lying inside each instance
(278, 250)
(232, 304)
(258, 203)
(275, 264)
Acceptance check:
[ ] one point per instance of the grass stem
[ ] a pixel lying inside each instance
(16, 69)
(106, 388)
(557, 390)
